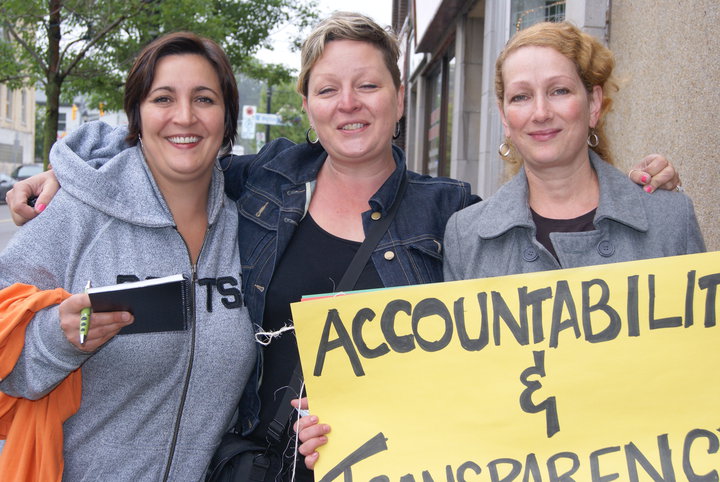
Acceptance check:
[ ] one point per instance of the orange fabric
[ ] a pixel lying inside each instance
(32, 428)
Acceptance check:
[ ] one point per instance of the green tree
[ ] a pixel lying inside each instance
(73, 47)
(286, 102)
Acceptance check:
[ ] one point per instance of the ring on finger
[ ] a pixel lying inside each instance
(631, 171)
(679, 188)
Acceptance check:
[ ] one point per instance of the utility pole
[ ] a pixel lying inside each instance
(269, 106)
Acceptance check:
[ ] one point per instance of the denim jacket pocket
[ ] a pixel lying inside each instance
(425, 257)
(260, 210)
(257, 230)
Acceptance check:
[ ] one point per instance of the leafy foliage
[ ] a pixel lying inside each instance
(286, 102)
(86, 46)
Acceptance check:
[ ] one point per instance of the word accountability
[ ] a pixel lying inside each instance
(587, 311)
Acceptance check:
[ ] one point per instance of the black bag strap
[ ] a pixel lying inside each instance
(375, 233)
(347, 283)
(282, 416)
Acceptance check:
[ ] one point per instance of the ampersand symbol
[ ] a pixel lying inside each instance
(549, 404)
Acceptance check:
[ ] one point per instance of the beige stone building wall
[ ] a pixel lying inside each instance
(668, 54)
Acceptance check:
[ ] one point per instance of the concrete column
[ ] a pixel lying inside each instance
(667, 59)
(495, 34)
(467, 98)
(411, 140)
(418, 149)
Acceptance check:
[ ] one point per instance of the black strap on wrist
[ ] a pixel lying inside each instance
(282, 416)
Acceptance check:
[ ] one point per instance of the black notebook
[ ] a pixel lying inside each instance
(158, 304)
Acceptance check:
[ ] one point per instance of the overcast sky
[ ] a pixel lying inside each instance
(379, 10)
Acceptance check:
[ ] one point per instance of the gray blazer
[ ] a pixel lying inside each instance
(497, 236)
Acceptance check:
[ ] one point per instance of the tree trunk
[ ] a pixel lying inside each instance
(52, 92)
(53, 79)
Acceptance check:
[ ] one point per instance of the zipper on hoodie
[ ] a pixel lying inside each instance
(191, 359)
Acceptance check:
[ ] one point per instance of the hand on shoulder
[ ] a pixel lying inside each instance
(43, 185)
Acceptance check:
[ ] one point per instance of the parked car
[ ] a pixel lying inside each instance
(6, 183)
(19, 173)
(24, 171)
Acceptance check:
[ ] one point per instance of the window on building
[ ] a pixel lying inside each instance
(450, 95)
(62, 122)
(24, 108)
(434, 103)
(525, 13)
(554, 11)
(8, 103)
(439, 110)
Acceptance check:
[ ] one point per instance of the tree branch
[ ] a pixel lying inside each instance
(97, 38)
(26, 46)
(67, 47)
(4, 80)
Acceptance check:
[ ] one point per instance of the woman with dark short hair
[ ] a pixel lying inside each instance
(154, 405)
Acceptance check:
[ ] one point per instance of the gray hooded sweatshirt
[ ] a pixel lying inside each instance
(154, 406)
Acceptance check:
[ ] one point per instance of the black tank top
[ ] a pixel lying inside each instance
(313, 263)
(545, 226)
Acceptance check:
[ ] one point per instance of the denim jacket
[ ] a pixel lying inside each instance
(273, 189)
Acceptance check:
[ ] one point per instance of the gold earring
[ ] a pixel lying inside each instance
(593, 140)
(504, 149)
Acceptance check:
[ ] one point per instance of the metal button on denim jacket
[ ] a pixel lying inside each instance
(273, 189)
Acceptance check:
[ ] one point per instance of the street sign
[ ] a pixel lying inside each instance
(271, 119)
(247, 129)
(259, 140)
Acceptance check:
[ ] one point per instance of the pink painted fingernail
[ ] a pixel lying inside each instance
(648, 189)
(40, 207)
(644, 179)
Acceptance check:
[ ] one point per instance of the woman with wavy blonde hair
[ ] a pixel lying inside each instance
(594, 63)
(567, 206)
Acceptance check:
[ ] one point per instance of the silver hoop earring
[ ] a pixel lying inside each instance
(593, 140)
(307, 136)
(504, 149)
(221, 154)
(142, 147)
(396, 134)
(218, 165)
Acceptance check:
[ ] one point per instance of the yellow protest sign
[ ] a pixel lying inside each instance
(599, 373)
